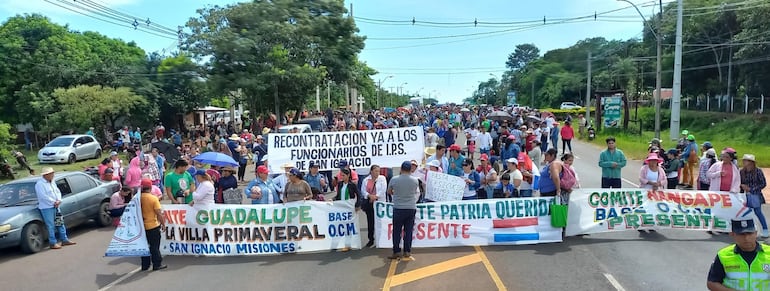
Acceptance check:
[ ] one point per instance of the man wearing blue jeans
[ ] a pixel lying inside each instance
(403, 189)
(49, 199)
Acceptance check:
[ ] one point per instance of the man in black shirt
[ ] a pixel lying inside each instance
(745, 235)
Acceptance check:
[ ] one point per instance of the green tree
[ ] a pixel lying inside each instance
(275, 52)
(181, 87)
(84, 106)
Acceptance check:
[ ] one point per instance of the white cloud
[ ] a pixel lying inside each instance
(43, 7)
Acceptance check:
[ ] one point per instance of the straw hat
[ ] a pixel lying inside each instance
(235, 137)
(265, 130)
(46, 171)
(228, 168)
(430, 151)
(287, 166)
(749, 157)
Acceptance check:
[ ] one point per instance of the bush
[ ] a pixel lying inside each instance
(562, 114)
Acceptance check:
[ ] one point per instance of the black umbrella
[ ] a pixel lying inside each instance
(500, 116)
(168, 150)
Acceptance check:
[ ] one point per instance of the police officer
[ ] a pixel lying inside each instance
(744, 265)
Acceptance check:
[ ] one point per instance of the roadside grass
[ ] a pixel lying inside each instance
(37, 166)
(635, 146)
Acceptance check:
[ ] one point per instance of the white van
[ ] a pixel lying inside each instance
(303, 128)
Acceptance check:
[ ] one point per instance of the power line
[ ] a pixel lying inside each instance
(79, 10)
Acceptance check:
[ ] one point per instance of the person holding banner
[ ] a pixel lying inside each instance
(550, 183)
(118, 202)
(402, 189)
(741, 264)
(297, 189)
(652, 176)
(724, 174)
(752, 183)
(262, 189)
(154, 223)
(204, 193)
(373, 189)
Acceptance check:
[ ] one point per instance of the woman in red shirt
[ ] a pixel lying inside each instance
(567, 133)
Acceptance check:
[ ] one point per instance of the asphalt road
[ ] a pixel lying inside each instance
(667, 260)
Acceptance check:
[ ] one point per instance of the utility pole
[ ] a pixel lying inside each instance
(588, 89)
(658, 74)
(676, 99)
(533, 92)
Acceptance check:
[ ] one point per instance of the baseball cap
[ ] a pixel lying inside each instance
(406, 166)
(113, 153)
(435, 163)
(262, 170)
(691, 137)
(343, 164)
(513, 161)
(313, 165)
(294, 172)
(109, 171)
(484, 157)
(146, 183)
(455, 147)
(200, 172)
(743, 226)
(685, 132)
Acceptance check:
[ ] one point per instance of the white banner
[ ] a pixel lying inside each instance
(360, 148)
(444, 187)
(237, 230)
(129, 239)
(512, 221)
(607, 210)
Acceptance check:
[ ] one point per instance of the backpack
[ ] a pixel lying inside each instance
(567, 178)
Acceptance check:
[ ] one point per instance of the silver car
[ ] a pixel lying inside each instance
(83, 198)
(69, 149)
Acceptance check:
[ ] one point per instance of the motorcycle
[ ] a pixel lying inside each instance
(5, 169)
(591, 133)
(22, 161)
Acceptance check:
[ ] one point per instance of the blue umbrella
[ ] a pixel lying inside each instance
(215, 159)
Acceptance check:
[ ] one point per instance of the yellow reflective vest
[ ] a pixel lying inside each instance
(741, 276)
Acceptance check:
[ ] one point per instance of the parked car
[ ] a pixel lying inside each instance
(69, 149)
(569, 105)
(83, 198)
(303, 128)
(318, 124)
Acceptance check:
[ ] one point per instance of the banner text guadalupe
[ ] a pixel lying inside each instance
(222, 230)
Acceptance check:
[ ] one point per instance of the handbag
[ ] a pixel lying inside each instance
(558, 214)
(753, 201)
(232, 196)
(58, 219)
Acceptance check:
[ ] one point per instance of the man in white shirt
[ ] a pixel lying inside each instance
(49, 198)
(484, 140)
(441, 157)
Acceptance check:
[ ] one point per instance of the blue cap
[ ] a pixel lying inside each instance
(200, 172)
(743, 226)
(707, 145)
(342, 164)
(406, 166)
(294, 172)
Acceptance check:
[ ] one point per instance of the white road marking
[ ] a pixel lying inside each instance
(121, 279)
(614, 282)
(629, 182)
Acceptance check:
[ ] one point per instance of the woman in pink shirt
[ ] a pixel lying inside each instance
(118, 202)
(567, 134)
(134, 174)
(724, 174)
